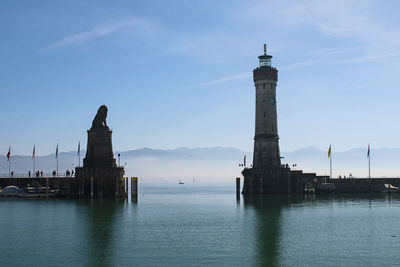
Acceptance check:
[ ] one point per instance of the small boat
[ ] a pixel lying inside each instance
(10, 191)
(309, 189)
(388, 188)
(180, 182)
(37, 192)
(327, 188)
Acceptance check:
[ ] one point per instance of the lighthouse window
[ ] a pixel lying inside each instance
(264, 114)
(263, 85)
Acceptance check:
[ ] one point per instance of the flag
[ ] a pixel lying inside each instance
(369, 149)
(9, 154)
(57, 152)
(34, 151)
(329, 151)
(79, 148)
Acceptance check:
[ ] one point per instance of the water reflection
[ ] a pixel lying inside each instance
(269, 211)
(100, 220)
(268, 225)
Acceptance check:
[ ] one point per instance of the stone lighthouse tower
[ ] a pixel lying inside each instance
(266, 146)
(266, 175)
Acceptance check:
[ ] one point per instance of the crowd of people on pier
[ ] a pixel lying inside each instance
(41, 174)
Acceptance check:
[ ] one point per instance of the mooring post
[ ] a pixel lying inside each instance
(116, 187)
(237, 185)
(91, 187)
(251, 185)
(79, 188)
(100, 187)
(83, 188)
(47, 187)
(126, 179)
(237, 188)
(134, 188)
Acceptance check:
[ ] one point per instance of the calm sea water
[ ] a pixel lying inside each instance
(196, 225)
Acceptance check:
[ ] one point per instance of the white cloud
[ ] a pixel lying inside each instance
(333, 50)
(229, 78)
(100, 31)
(339, 18)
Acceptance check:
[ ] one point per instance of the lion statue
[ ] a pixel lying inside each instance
(99, 120)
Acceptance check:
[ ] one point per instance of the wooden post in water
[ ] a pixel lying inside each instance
(251, 185)
(80, 188)
(83, 188)
(91, 187)
(134, 189)
(100, 187)
(47, 187)
(126, 180)
(237, 188)
(116, 187)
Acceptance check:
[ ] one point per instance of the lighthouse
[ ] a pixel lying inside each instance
(267, 175)
(266, 140)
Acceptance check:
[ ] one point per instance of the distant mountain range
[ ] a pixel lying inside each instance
(218, 163)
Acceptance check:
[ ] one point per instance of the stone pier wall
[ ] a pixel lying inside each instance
(286, 181)
(67, 185)
(103, 187)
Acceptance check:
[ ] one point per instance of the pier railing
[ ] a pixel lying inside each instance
(41, 175)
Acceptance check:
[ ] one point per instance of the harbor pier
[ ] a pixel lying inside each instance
(70, 187)
(287, 181)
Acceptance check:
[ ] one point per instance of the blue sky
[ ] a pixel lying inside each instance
(178, 73)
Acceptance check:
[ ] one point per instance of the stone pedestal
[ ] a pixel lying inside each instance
(107, 182)
(266, 181)
(99, 153)
(100, 164)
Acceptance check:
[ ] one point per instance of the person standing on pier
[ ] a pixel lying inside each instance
(9, 162)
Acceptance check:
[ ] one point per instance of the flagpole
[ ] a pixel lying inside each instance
(79, 154)
(9, 162)
(34, 159)
(369, 161)
(57, 160)
(330, 162)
